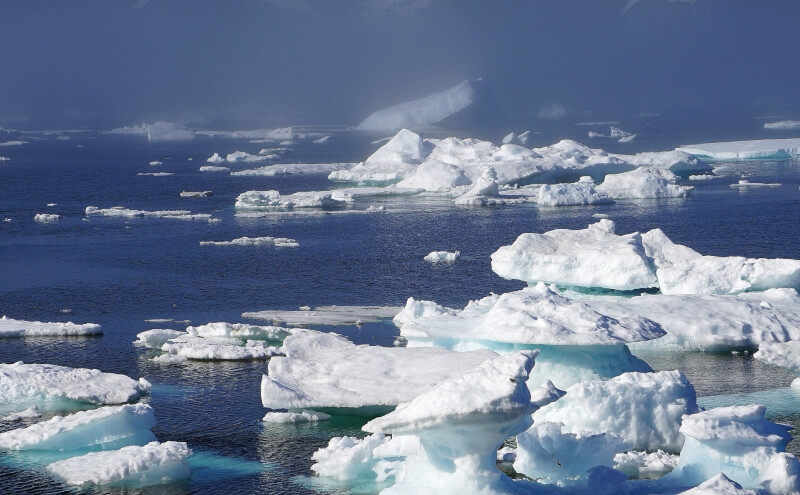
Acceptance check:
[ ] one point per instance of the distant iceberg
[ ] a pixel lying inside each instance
(157, 131)
(761, 149)
(784, 125)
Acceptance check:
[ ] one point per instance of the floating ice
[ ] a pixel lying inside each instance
(747, 183)
(593, 257)
(156, 174)
(29, 413)
(324, 371)
(739, 442)
(157, 131)
(215, 158)
(254, 241)
(327, 315)
(782, 125)
(46, 218)
(156, 163)
(19, 381)
(211, 168)
(304, 416)
(217, 341)
(703, 177)
(13, 143)
(254, 135)
(4, 158)
(392, 162)
(322, 140)
(219, 349)
(21, 328)
(783, 354)
(442, 256)
(103, 427)
(718, 485)
(244, 157)
(484, 191)
(643, 183)
(677, 162)
(271, 200)
(644, 465)
(348, 458)
(460, 424)
(156, 337)
(424, 111)
(293, 169)
(583, 192)
(151, 464)
(121, 211)
(196, 194)
(645, 409)
(761, 149)
(352, 194)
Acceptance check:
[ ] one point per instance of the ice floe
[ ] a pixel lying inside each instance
(783, 125)
(747, 183)
(156, 163)
(323, 371)
(760, 149)
(326, 315)
(254, 241)
(244, 157)
(215, 158)
(783, 354)
(322, 140)
(272, 200)
(219, 349)
(211, 168)
(280, 133)
(156, 337)
(196, 194)
(46, 218)
(643, 183)
(304, 416)
(13, 143)
(442, 256)
(151, 464)
(156, 174)
(21, 328)
(25, 381)
(122, 212)
(29, 413)
(718, 485)
(583, 192)
(293, 169)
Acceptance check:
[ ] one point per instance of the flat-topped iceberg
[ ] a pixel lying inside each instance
(151, 464)
(96, 428)
(121, 211)
(254, 241)
(324, 371)
(760, 149)
(460, 424)
(645, 409)
(21, 328)
(20, 381)
(273, 200)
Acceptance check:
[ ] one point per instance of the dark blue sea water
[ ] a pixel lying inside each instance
(120, 272)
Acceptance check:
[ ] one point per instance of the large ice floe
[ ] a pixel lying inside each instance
(783, 354)
(324, 371)
(151, 464)
(21, 328)
(122, 212)
(760, 149)
(273, 200)
(254, 241)
(575, 342)
(326, 315)
(293, 169)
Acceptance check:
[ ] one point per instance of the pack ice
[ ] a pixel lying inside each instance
(217, 341)
(20, 328)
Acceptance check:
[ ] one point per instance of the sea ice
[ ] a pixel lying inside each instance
(158, 131)
(219, 349)
(583, 192)
(326, 315)
(322, 140)
(643, 183)
(254, 241)
(293, 169)
(211, 168)
(783, 354)
(747, 183)
(271, 200)
(21, 328)
(19, 381)
(13, 143)
(156, 163)
(152, 464)
(258, 135)
(156, 337)
(196, 194)
(121, 211)
(323, 371)
(110, 425)
(783, 125)
(244, 157)
(304, 416)
(761, 149)
(156, 174)
(645, 409)
(442, 256)
(392, 162)
(215, 158)
(29, 413)
(46, 218)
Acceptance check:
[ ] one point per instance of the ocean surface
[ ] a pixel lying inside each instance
(122, 272)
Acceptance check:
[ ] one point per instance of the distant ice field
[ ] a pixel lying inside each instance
(119, 272)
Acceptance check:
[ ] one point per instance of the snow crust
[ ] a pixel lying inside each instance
(323, 370)
(151, 464)
(19, 381)
(21, 328)
(760, 149)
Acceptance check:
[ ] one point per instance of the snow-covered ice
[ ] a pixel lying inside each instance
(219, 349)
(784, 125)
(156, 337)
(212, 168)
(442, 256)
(196, 194)
(244, 157)
(783, 354)
(121, 211)
(583, 192)
(392, 162)
(254, 241)
(760, 149)
(643, 183)
(304, 416)
(262, 135)
(718, 485)
(746, 183)
(152, 464)
(21, 328)
(323, 371)
(29, 413)
(156, 174)
(645, 465)
(293, 169)
(156, 163)
(46, 218)
(326, 315)
(272, 200)
(322, 140)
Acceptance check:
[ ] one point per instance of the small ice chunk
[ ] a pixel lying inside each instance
(46, 218)
(20, 328)
(704, 177)
(326, 315)
(152, 464)
(210, 349)
(783, 125)
(718, 485)
(783, 354)
(747, 183)
(643, 183)
(31, 412)
(212, 168)
(120, 211)
(156, 163)
(304, 416)
(254, 241)
(156, 174)
(215, 158)
(645, 465)
(196, 194)
(442, 256)
(244, 157)
(271, 200)
(156, 337)
(322, 140)
(583, 192)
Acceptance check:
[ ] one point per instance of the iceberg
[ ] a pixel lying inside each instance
(677, 162)
(156, 337)
(96, 428)
(583, 192)
(760, 149)
(46, 218)
(718, 485)
(783, 354)
(272, 200)
(484, 192)
(20, 381)
(196, 194)
(13, 143)
(215, 158)
(442, 256)
(326, 372)
(644, 409)
(643, 183)
(392, 162)
(151, 464)
(293, 169)
(747, 183)
(20, 328)
(424, 111)
(784, 125)
(244, 157)
(156, 163)
(157, 131)
(254, 241)
(460, 424)
(326, 315)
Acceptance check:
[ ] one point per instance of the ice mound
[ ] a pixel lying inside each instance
(550, 456)
(583, 192)
(29, 413)
(254, 241)
(19, 381)
(592, 257)
(739, 442)
(761, 149)
(484, 192)
(392, 162)
(324, 371)
(244, 157)
(219, 349)
(442, 256)
(103, 427)
(645, 409)
(20, 328)
(215, 158)
(783, 125)
(151, 464)
(156, 337)
(196, 194)
(304, 416)
(120, 211)
(212, 168)
(718, 485)
(783, 354)
(293, 169)
(158, 131)
(326, 315)
(643, 183)
(645, 465)
(46, 218)
(424, 111)
(272, 200)
(714, 323)
(461, 423)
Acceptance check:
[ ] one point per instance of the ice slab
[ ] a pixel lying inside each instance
(152, 464)
(244, 157)
(323, 371)
(327, 315)
(254, 241)
(156, 174)
(13, 143)
(95, 428)
(304, 416)
(212, 168)
(196, 194)
(21, 328)
(272, 200)
(783, 125)
(222, 349)
(442, 256)
(253, 134)
(121, 211)
(746, 183)
(19, 381)
(583, 192)
(294, 169)
(46, 218)
(645, 409)
(761, 149)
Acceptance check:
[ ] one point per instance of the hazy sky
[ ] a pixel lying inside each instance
(115, 62)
